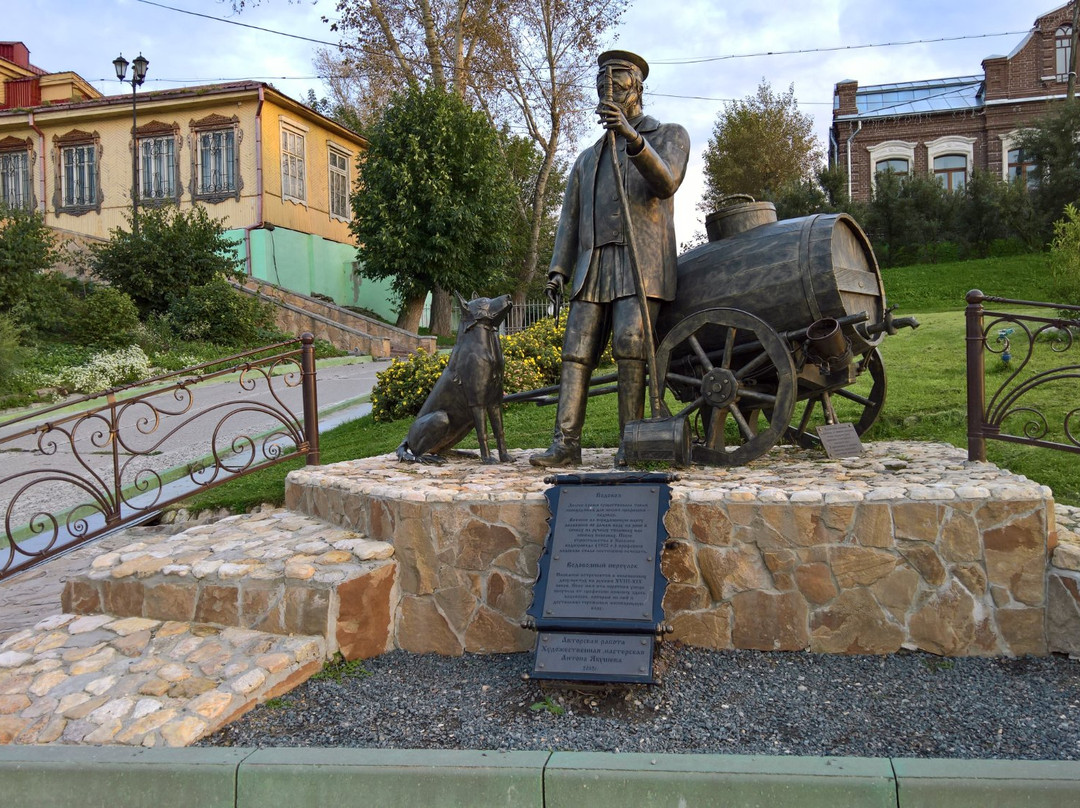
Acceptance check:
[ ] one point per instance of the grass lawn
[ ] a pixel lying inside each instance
(926, 388)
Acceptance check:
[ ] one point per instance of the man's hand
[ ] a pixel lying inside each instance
(614, 120)
(554, 288)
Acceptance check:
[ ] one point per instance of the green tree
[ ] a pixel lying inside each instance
(759, 146)
(27, 248)
(173, 251)
(1051, 143)
(1065, 257)
(434, 205)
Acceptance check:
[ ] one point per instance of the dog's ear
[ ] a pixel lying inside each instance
(461, 301)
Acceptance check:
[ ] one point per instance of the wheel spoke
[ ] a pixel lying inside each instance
(701, 355)
(729, 346)
(850, 396)
(744, 427)
(807, 414)
(689, 408)
(759, 360)
(678, 377)
(757, 398)
(714, 432)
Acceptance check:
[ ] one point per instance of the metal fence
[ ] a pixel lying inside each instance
(86, 467)
(1036, 403)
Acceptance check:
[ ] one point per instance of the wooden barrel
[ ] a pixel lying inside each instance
(789, 273)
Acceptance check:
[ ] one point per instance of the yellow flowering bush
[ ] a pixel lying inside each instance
(401, 389)
(533, 359)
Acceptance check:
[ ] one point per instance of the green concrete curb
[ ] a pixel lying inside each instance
(575, 779)
(119, 777)
(391, 778)
(936, 783)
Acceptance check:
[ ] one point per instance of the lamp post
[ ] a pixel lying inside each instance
(138, 76)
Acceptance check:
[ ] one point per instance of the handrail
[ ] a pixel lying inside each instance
(1014, 401)
(54, 506)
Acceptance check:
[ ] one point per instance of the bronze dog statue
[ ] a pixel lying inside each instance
(470, 388)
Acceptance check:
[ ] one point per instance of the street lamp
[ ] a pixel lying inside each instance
(138, 76)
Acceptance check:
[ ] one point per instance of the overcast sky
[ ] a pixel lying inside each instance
(745, 40)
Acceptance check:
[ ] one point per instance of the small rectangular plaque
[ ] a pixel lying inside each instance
(840, 440)
(594, 657)
(603, 554)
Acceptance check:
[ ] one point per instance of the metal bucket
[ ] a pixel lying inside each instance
(665, 440)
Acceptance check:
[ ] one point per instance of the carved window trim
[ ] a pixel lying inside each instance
(154, 141)
(14, 151)
(220, 128)
(890, 150)
(70, 153)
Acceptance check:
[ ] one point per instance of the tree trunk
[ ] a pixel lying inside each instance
(412, 309)
(441, 324)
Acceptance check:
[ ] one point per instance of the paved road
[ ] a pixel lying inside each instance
(167, 436)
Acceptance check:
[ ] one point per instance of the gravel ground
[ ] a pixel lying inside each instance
(739, 702)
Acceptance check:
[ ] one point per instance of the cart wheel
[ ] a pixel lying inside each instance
(731, 367)
(858, 403)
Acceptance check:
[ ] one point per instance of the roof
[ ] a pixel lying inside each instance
(919, 97)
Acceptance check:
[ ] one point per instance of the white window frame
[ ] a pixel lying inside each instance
(16, 182)
(159, 158)
(952, 144)
(890, 150)
(224, 162)
(1063, 53)
(1008, 144)
(293, 161)
(341, 175)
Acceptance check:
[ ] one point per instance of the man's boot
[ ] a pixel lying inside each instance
(631, 399)
(565, 450)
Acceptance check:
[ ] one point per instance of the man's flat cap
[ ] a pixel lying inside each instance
(620, 58)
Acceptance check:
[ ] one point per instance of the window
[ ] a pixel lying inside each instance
(292, 165)
(216, 168)
(1063, 52)
(76, 160)
(951, 171)
(79, 176)
(15, 179)
(896, 156)
(339, 185)
(157, 168)
(1021, 166)
(894, 165)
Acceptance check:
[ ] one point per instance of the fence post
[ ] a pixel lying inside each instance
(976, 375)
(311, 402)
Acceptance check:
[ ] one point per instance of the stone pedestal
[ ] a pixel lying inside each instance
(909, 546)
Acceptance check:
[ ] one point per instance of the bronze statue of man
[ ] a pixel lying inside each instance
(593, 252)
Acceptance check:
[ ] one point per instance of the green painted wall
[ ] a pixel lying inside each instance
(305, 263)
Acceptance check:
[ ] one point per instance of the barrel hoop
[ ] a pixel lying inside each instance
(805, 268)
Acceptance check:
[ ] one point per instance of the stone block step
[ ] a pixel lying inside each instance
(98, 679)
(272, 571)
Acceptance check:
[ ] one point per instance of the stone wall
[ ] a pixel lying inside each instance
(910, 546)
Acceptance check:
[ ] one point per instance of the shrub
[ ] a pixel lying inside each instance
(216, 312)
(173, 251)
(107, 318)
(401, 389)
(10, 351)
(27, 247)
(1065, 257)
(542, 343)
(105, 370)
(49, 308)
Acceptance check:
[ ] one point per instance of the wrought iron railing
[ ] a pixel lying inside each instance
(1038, 401)
(124, 454)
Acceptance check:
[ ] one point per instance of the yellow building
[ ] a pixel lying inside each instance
(279, 173)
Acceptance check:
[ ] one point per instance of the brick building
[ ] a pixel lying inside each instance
(953, 126)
